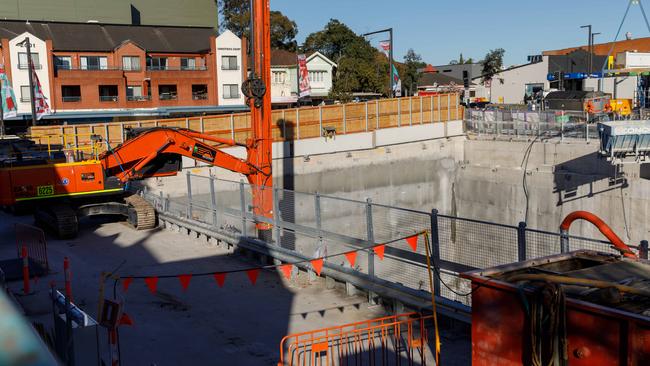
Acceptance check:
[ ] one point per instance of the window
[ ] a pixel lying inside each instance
(167, 92)
(22, 61)
(134, 93)
(230, 91)
(229, 63)
(188, 63)
(131, 63)
(108, 93)
(71, 93)
(157, 63)
(94, 63)
(316, 76)
(279, 77)
(200, 92)
(24, 94)
(63, 62)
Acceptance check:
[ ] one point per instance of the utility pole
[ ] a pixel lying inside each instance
(593, 35)
(390, 56)
(30, 66)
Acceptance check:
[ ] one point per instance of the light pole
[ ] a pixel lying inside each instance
(390, 56)
(589, 43)
(593, 35)
(30, 66)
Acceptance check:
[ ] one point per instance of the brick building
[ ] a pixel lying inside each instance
(107, 71)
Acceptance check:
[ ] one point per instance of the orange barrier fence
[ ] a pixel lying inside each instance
(33, 239)
(393, 340)
(288, 124)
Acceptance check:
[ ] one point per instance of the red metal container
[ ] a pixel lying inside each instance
(603, 326)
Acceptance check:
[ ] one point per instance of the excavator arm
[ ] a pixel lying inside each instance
(129, 161)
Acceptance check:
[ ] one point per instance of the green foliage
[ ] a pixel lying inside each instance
(236, 17)
(361, 68)
(409, 72)
(492, 63)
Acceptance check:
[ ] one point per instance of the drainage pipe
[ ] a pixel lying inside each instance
(600, 224)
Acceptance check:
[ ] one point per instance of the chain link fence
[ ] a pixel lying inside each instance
(314, 225)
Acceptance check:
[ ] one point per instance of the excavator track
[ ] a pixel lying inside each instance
(142, 214)
(61, 219)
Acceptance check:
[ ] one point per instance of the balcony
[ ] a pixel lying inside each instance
(177, 68)
(76, 98)
(26, 66)
(168, 96)
(108, 98)
(199, 96)
(138, 98)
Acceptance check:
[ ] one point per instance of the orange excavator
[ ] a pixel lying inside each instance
(60, 193)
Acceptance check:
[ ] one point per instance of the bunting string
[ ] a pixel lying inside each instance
(151, 281)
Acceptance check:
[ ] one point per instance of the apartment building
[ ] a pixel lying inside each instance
(106, 71)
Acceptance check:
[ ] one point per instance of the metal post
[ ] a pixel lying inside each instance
(562, 129)
(345, 127)
(202, 124)
(317, 211)
(448, 107)
(439, 110)
(586, 131)
(564, 241)
(122, 132)
(277, 216)
(370, 237)
(435, 247)
(189, 195)
(242, 200)
(431, 97)
(187, 123)
(297, 124)
(213, 201)
(232, 127)
(521, 242)
(320, 120)
(643, 249)
(366, 116)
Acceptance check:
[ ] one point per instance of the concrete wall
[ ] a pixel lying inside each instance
(624, 87)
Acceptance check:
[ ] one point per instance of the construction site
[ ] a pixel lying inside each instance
(396, 231)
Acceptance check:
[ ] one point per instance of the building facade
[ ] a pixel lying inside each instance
(284, 77)
(196, 13)
(109, 71)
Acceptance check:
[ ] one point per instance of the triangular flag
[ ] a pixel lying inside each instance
(379, 250)
(318, 265)
(413, 242)
(252, 275)
(126, 282)
(352, 257)
(185, 280)
(286, 270)
(152, 283)
(125, 319)
(220, 278)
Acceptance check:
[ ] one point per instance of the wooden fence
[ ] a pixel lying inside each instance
(288, 124)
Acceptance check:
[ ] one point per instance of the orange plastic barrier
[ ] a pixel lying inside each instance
(393, 340)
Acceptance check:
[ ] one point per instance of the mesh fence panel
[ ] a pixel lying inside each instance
(541, 244)
(344, 217)
(297, 208)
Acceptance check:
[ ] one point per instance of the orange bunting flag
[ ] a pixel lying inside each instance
(125, 283)
(252, 275)
(125, 319)
(413, 242)
(352, 257)
(286, 270)
(379, 250)
(220, 278)
(185, 281)
(152, 283)
(318, 265)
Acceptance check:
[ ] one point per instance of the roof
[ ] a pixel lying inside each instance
(106, 37)
(602, 49)
(283, 58)
(429, 79)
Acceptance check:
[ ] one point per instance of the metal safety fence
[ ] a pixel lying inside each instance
(313, 225)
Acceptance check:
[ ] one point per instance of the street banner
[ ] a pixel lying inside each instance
(303, 73)
(7, 95)
(40, 101)
(385, 47)
(397, 83)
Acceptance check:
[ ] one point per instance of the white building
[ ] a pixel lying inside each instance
(20, 70)
(510, 86)
(284, 76)
(230, 73)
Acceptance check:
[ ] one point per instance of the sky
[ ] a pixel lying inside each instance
(440, 30)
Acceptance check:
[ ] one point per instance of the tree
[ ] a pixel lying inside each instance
(492, 63)
(360, 66)
(236, 17)
(461, 60)
(412, 62)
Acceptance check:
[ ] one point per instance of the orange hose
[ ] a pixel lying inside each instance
(601, 225)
